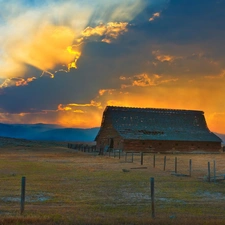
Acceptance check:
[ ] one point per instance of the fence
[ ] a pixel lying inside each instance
(82, 147)
(70, 183)
(167, 162)
(170, 162)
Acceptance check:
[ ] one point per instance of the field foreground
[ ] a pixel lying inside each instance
(64, 186)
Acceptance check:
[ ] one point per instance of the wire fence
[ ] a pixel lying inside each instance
(192, 165)
(86, 181)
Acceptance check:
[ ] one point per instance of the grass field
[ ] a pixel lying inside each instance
(64, 186)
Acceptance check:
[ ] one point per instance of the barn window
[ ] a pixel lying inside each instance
(176, 144)
(160, 143)
(143, 143)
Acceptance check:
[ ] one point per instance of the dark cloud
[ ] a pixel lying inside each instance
(46, 93)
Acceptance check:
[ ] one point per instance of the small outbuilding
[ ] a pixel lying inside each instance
(155, 130)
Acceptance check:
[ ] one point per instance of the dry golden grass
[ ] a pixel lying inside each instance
(64, 186)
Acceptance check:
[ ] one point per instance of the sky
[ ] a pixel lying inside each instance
(63, 61)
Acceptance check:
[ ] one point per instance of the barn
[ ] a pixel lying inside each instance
(155, 130)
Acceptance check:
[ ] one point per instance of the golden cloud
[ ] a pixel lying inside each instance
(103, 91)
(144, 80)
(47, 47)
(92, 103)
(62, 108)
(73, 106)
(23, 82)
(163, 57)
(155, 15)
(47, 73)
(43, 37)
(110, 30)
(74, 51)
(50, 47)
(40, 36)
(16, 82)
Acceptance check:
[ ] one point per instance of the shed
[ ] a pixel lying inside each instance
(155, 130)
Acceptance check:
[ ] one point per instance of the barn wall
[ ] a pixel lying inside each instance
(164, 146)
(105, 137)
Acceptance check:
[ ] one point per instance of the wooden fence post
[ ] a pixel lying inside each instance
(132, 157)
(190, 167)
(214, 170)
(142, 158)
(22, 202)
(175, 164)
(152, 196)
(119, 154)
(209, 171)
(164, 168)
(114, 153)
(154, 161)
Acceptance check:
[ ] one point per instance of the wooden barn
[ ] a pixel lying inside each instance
(155, 130)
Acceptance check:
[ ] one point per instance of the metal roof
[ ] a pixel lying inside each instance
(159, 124)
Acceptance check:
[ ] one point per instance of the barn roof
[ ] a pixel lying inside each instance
(159, 124)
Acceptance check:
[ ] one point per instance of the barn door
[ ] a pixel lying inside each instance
(111, 143)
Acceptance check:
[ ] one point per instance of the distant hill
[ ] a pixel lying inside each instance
(69, 134)
(46, 132)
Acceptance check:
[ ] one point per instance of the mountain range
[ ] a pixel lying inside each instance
(47, 132)
(52, 132)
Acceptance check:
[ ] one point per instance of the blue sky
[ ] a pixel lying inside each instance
(62, 62)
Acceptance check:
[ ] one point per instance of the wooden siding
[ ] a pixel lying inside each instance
(105, 136)
(169, 146)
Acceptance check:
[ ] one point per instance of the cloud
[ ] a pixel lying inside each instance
(163, 57)
(46, 35)
(31, 38)
(16, 82)
(155, 15)
(103, 91)
(141, 80)
(64, 61)
(75, 105)
(110, 30)
(144, 80)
